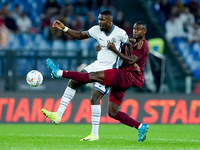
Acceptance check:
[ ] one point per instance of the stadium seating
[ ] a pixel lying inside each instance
(37, 41)
(190, 54)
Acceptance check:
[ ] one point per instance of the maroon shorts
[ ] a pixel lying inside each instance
(116, 95)
(120, 81)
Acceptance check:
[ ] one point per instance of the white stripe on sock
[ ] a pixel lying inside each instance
(66, 98)
(95, 118)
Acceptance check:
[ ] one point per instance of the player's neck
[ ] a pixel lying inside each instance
(109, 29)
(140, 39)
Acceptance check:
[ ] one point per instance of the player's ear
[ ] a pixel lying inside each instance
(109, 19)
(145, 31)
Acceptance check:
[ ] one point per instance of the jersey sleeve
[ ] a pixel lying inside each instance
(124, 37)
(93, 32)
(140, 50)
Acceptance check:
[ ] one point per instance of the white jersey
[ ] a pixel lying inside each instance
(117, 36)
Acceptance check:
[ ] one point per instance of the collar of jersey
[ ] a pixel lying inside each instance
(113, 26)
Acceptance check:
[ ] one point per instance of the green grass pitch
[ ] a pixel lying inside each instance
(64, 136)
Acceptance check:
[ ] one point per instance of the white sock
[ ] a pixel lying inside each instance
(60, 73)
(140, 126)
(95, 118)
(66, 98)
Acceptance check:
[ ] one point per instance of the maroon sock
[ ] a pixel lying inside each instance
(127, 120)
(83, 77)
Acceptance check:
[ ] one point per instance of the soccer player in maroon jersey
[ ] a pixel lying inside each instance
(120, 79)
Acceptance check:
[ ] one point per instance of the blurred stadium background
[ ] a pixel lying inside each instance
(27, 39)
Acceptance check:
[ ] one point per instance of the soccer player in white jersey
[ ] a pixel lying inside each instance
(104, 32)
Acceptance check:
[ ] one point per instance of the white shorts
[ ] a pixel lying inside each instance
(97, 66)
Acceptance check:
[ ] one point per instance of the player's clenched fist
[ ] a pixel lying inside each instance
(58, 25)
(111, 46)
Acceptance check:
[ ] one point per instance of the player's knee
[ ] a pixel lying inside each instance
(93, 76)
(95, 101)
(73, 84)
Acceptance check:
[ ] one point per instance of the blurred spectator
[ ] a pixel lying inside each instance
(93, 4)
(54, 33)
(17, 12)
(165, 7)
(78, 23)
(174, 28)
(194, 34)
(10, 22)
(180, 5)
(4, 36)
(2, 20)
(194, 7)
(51, 7)
(24, 23)
(128, 28)
(174, 12)
(187, 19)
(46, 22)
(70, 10)
(197, 18)
(120, 19)
(66, 3)
(4, 10)
(63, 16)
(162, 11)
(107, 4)
(90, 21)
(80, 8)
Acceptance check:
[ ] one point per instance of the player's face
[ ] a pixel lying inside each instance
(138, 31)
(103, 22)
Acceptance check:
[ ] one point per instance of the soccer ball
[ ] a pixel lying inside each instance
(34, 78)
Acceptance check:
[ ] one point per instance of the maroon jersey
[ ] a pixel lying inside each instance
(141, 50)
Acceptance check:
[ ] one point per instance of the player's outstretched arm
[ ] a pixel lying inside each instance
(128, 59)
(80, 35)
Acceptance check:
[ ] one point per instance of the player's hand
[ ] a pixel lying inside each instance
(137, 68)
(111, 46)
(58, 25)
(98, 48)
(132, 40)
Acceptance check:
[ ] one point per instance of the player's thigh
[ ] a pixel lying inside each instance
(96, 96)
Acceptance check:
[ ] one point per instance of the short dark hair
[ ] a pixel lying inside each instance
(107, 13)
(142, 23)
